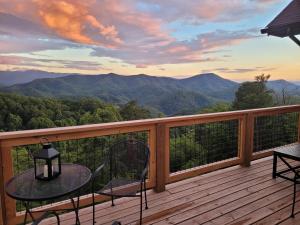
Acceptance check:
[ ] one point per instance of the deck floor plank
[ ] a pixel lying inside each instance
(236, 195)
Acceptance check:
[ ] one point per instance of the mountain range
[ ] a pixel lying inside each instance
(8, 78)
(168, 95)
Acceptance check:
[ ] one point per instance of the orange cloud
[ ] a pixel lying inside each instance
(72, 20)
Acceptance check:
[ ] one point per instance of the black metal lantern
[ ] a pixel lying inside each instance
(47, 163)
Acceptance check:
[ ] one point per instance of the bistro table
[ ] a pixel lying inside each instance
(26, 188)
(283, 153)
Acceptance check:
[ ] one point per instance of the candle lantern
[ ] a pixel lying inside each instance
(47, 163)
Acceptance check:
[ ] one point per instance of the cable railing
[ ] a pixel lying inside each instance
(202, 144)
(180, 147)
(272, 131)
(89, 152)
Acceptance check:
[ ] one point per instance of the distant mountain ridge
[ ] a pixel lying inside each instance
(168, 95)
(280, 85)
(8, 78)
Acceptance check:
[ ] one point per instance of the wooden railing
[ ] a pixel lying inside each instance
(159, 141)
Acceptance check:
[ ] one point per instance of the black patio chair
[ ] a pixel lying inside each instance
(126, 166)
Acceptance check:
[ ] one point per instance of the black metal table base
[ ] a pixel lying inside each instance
(47, 213)
(281, 173)
(25, 188)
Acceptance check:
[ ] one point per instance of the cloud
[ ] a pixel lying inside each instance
(178, 51)
(9, 44)
(256, 69)
(105, 23)
(200, 11)
(72, 20)
(50, 63)
(21, 27)
(134, 31)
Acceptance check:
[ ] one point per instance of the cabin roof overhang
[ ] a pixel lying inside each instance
(286, 23)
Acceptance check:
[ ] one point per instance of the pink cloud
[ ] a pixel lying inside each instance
(119, 29)
(179, 51)
(11, 60)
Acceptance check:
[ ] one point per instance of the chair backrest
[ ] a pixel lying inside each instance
(128, 159)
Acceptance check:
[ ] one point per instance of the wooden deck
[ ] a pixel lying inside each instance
(236, 195)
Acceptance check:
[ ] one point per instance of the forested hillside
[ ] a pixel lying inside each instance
(161, 94)
(168, 95)
(22, 112)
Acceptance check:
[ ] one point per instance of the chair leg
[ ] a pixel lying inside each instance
(57, 218)
(141, 208)
(294, 198)
(145, 192)
(112, 201)
(94, 208)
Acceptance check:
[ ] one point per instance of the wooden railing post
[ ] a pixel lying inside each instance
(8, 206)
(2, 206)
(247, 133)
(299, 128)
(161, 157)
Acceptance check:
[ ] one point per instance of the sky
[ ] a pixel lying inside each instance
(172, 38)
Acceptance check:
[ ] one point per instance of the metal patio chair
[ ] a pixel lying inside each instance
(126, 166)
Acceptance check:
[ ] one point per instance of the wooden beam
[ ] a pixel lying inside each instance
(196, 171)
(152, 163)
(262, 154)
(161, 157)
(36, 139)
(8, 205)
(247, 132)
(299, 128)
(2, 203)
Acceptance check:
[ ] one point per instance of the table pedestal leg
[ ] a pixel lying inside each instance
(76, 209)
(27, 211)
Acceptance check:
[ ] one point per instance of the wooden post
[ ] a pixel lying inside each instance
(152, 163)
(161, 136)
(8, 205)
(299, 128)
(247, 133)
(2, 212)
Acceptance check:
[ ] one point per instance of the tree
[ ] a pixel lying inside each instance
(40, 122)
(132, 111)
(13, 122)
(218, 107)
(255, 94)
(284, 97)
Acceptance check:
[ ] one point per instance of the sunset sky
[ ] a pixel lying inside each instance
(157, 37)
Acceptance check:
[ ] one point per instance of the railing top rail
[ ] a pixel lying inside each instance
(137, 123)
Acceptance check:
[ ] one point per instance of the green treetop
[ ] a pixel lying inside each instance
(255, 94)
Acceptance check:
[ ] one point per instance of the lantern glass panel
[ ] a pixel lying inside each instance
(41, 168)
(55, 167)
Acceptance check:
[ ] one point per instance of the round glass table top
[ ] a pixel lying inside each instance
(25, 187)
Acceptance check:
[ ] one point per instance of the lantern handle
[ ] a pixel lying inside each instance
(30, 153)
(46, 140)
